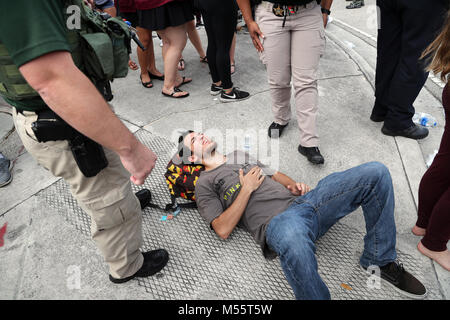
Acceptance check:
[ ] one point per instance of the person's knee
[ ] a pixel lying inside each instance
(378, 171)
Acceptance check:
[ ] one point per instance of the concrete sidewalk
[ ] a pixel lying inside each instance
(47, 251)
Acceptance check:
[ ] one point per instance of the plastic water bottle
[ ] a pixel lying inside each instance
(247, 144)
(424, 119)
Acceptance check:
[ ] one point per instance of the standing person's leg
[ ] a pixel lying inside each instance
(224, 25)
(277, 58)
(147, 58)
(307, 46)
(421, 21)
(108, 198)
(232, 52)
(174, 39)
(434, 200)
(388, 55)
(434, 243)
(211, 51)
(195, 39)
(145, 36)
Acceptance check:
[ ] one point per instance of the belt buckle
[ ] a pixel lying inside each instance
(278, 10)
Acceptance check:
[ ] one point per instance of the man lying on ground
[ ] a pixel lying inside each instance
(286, 218)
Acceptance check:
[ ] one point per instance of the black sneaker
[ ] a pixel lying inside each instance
(144, 196)
(154, 261)
(413, 132)
(234, 95)
(276, 129)
(215, 90)
(312, 153)
(402, 281)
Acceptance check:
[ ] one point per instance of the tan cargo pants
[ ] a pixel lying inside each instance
(293, 51)
(108, 198)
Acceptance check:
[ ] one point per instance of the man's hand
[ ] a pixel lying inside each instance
(252, 180)
(299, 189)
(139, 162)
(255, 34)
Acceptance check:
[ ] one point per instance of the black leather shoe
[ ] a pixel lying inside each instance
(278, 130)
(154, 261)
(144, 196)
(413, 132)
(312, 153)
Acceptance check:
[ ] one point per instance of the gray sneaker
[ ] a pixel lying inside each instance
(5, 171)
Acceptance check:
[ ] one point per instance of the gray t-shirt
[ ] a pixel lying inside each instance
(216, 190)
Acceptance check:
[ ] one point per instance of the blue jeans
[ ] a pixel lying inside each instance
(292, 233)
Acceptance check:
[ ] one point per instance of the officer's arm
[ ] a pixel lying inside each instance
(69, 93)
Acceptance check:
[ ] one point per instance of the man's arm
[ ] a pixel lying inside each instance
(70, 94)
(227, 221)
(297, 188)
(326, 4)
(252, 26)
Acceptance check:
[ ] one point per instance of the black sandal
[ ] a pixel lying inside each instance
(154, 76)
(146, 84)
(204, 59)
(175, 90)
(183, 82)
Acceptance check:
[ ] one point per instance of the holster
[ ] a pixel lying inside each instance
(89, 155)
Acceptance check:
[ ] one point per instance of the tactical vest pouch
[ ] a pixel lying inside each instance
(98, 55)
(12, 84)
(120, 38)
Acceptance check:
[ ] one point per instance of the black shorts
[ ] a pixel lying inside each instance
(132, 17)
(172, 14)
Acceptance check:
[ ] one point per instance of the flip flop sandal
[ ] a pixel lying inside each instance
(154, 76)
(146, 84)
(204, 59)
(184, 82)
(181, 64)
(172, 95)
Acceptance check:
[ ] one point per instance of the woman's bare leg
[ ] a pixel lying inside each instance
(195, 38)
(174, 39)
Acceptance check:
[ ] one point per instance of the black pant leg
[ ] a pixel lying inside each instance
(421, 23)
(220, 18)
(211, 51)
(388, 53)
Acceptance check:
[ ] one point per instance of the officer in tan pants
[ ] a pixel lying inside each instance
(290, 37)
(40, 51)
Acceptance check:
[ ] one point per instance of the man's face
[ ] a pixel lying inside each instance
(200, 145)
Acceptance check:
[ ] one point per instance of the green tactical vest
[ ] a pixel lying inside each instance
(100, 49)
